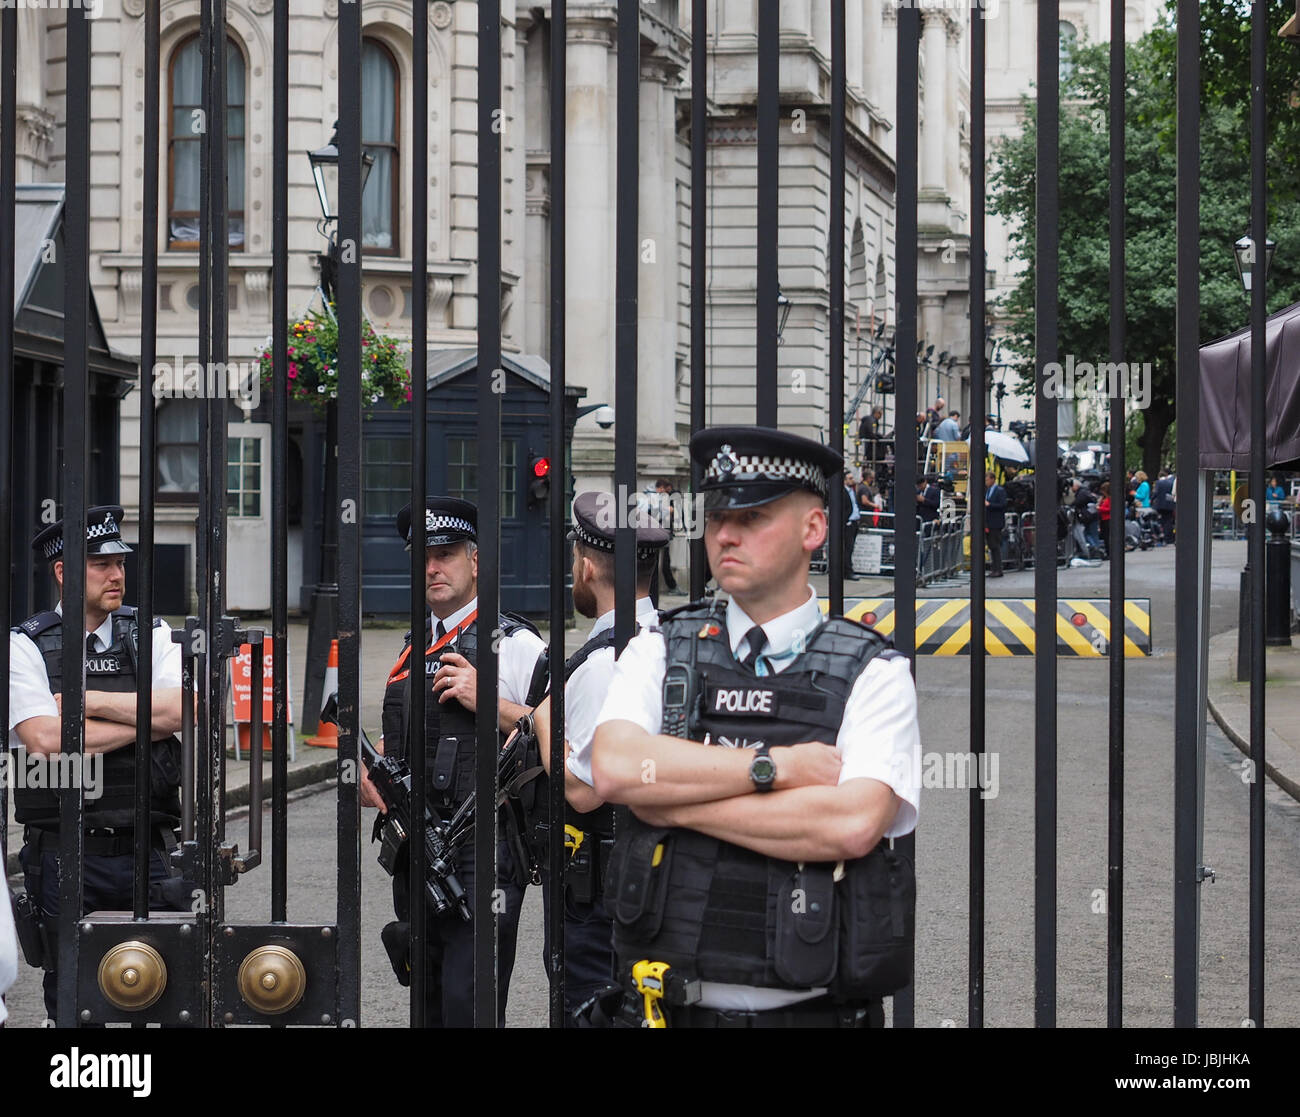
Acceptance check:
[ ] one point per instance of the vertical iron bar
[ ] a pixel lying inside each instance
(1258, 460)
(148, 456)
(626, 256)
(699, 246)
(975, 503)
(1046, 502)
(8, 207)
(489, 505)
(769, 146)
(1115, 545)
(419, 481)
(347, 513)
(905, 432)
(559, 498)
(1187, 716)
(837, 566)
(280, 468)
(215, 511)
(75, 470)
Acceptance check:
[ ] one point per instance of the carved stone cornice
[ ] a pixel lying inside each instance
(35, 132)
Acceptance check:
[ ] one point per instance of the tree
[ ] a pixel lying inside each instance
(1151, 294)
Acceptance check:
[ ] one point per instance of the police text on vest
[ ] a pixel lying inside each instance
(742, 701)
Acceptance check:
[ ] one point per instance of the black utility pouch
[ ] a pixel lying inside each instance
(580, 876)
(877, 924)
(637, 886)
(444, 763)
(30, 927)
(806, 933)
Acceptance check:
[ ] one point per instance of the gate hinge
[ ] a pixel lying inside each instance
(1204, 873)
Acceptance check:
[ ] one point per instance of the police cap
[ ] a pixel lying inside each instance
(595, 523)
(446, 520)
(748, 466)
(103, 534)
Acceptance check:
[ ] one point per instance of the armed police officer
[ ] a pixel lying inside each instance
(451, 638)
(589, 821)
(754, 885)
(111, 635)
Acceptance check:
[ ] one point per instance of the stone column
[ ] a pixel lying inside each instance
(934, 51)
(738, 17)
(952, 98)
(853, 28)
(657, 273)
(589, 235)
(796, 17)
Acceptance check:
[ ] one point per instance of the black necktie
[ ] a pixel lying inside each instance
(440, 630)
(757, 638)
(90, 644)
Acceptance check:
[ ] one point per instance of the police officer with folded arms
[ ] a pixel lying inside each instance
(768, 755)
(589, 822)
(110, 631)
(451, 638)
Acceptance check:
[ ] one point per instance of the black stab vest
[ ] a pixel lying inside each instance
(111, 670)
(720, 912)
(449, 728)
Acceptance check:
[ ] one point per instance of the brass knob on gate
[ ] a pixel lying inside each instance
(272, 980)
(132, 975)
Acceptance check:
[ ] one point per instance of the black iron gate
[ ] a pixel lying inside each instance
(206, 971)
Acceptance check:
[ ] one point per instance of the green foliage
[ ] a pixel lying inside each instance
(314, 363)
(1150, 151)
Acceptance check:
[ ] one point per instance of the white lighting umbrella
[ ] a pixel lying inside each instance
(1005, 448)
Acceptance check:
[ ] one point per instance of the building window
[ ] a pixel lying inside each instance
(244, 476)
(1067, 38)
(178, 450)
(462, 473)
(184, 136)
(386, 476)
(379, 123)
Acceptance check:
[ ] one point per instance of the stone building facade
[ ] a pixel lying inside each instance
(117, 233)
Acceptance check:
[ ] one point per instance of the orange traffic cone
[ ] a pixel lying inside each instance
(327, 732)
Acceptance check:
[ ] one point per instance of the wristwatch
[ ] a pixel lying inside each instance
(762, 769)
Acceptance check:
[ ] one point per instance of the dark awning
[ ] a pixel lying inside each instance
(1225, 396)
(39, 252)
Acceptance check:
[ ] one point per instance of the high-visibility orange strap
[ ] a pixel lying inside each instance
(396, 675)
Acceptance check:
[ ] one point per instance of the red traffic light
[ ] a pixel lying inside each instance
(541, 467)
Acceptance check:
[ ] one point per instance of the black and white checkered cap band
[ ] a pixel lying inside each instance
(106, 529)
(437, 524)
(598, 543)
(750, 467)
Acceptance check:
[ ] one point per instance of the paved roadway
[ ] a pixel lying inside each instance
(943, 849)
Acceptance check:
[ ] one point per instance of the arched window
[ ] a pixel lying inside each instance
(379, 124)
(1067, 37)
(184, 135)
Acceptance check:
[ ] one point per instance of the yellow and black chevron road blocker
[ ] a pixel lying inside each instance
(943, 625)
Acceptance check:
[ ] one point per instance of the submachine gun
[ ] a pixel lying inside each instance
(391, 778)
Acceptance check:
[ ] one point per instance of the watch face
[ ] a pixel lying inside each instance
(762, 770)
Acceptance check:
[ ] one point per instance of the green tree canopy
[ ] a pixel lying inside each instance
(1150, 131)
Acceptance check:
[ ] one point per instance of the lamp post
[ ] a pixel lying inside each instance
(1243, 254)
(783, 306)
(323, 611)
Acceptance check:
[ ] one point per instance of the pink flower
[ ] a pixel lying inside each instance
(293, 370)
(408, 395)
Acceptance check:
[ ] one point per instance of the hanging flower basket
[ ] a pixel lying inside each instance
(314, 364)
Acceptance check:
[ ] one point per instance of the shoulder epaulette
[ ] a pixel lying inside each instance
(34, 626)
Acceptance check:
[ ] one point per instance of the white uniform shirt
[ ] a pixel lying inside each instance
(29, 684)
(584, 694)
(516, 655)
(879, 737)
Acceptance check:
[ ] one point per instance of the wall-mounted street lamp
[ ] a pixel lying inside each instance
(1243, 253)
(783, 305)
(325, 172)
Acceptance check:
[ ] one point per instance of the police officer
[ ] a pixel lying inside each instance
(451, 638)
(754, 886)
(589, 822)
(111, 635)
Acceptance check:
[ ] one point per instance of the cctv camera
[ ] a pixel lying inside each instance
(604, 417)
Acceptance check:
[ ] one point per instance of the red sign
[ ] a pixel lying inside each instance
(241, 682)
